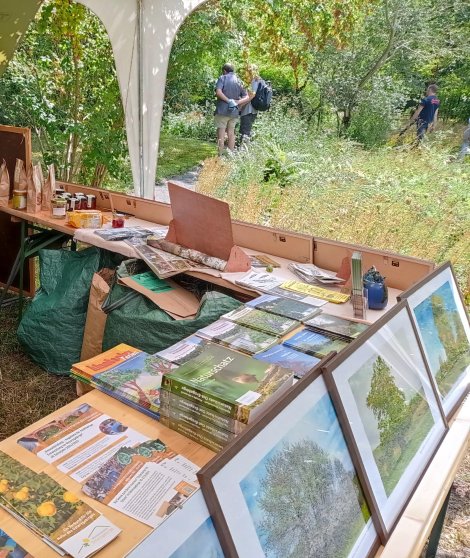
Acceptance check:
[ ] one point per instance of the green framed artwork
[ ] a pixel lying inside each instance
(443, 328)
(390, 412)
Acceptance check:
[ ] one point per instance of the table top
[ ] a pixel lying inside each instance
(226, 280)
(132, 531)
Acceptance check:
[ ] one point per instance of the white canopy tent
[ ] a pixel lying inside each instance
(141, 34)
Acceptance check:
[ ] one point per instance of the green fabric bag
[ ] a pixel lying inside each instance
(137, 321)
(51, 329)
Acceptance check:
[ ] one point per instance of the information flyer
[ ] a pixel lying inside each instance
(78, 443)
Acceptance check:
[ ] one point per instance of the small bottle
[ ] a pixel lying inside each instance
(118, 221)
(19, 199)
(58, 208)
(91, 201)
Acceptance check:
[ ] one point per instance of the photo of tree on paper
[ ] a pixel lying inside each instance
(395, 413)
(304, 496)
(445, 342)
(138, 379)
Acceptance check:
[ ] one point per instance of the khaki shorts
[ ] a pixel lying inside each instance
(226, 122)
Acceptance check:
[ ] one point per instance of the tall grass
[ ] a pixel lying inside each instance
(412, 201)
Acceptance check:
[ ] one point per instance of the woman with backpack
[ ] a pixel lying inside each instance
(248, 112)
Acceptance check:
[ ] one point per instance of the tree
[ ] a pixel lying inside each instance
(308, 500)
(62, 84)
(388, 404)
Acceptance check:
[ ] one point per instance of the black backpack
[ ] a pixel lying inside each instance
(264, 94)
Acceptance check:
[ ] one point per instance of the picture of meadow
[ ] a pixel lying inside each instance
(395, 414)
(444, 338)
(304, 497)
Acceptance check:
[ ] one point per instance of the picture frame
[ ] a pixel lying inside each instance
(187, 533)
(442, 322)
(294, 454)
(390, 412)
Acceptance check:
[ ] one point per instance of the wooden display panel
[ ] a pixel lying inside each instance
(401, 271)
(15, 143)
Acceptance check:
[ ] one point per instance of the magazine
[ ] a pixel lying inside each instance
(80, 441)
(238, 337)
(9, 548)
(163, 264)
(271, 324)
(310, 273)
(319, 292)
(285, 293)
(131, 373)
(257, 281)
(124, 233)
(55, 514)
(299, 363)
(334, 324)
(147, 482)
(184, 350)
(282, 306)
(314, 343)
(228, 382)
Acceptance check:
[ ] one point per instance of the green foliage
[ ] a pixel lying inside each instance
(177, 155)
(62, 84)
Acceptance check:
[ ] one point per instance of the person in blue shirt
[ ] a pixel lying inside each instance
(248, 112)
(426, 114)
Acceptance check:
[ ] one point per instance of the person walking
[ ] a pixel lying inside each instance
(230, 93)
(425, 115)
(248, 112)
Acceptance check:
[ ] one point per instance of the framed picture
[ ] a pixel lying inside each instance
(287, 485)
(187, 533)
(443, 328)
(389, 410)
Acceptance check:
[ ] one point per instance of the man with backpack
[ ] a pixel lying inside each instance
(230, 94)
(259, 98)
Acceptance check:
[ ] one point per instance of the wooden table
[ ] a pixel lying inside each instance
(132, 531)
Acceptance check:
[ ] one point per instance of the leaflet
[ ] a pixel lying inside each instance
(148, 482)
(80, 441)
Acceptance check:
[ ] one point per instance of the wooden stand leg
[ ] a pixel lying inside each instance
(435, 535)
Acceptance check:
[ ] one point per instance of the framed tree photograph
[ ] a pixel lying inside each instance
(390, 412)
(287, 487)
(443, 328)
(187, 533)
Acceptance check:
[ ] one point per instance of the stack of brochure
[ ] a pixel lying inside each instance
(127, 374)
(51, 512)
(312, 274)
(214, 395)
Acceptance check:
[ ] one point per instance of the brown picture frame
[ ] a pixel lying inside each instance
(207, 473)
(328, 371)
(451, 409)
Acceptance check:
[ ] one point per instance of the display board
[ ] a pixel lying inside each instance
(15, 143)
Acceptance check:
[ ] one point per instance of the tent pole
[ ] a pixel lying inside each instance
(140, 29)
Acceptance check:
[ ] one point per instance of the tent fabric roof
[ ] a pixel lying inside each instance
(141, 34)
(15, 17)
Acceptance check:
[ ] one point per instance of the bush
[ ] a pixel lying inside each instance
(196, 123)
(377, 113)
